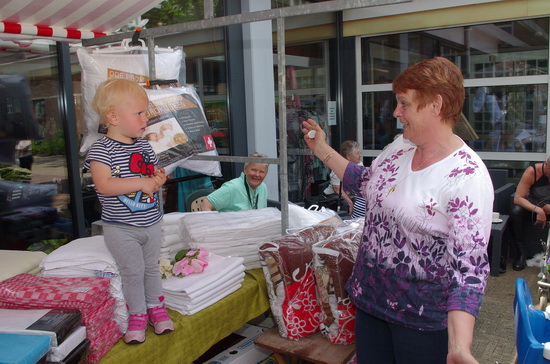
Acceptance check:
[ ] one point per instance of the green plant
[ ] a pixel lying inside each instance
(47, 246)
(54, 146)
(13, 173)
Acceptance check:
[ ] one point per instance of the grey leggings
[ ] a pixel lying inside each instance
(136, 251)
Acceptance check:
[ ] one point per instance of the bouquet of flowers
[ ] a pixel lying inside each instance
(186, 262)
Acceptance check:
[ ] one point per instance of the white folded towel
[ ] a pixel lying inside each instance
(170, 229)
(171, 239)
(90, 251)
(218, 267)
(213, 291)
(191, 310)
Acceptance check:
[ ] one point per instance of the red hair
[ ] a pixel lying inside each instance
(432, 77)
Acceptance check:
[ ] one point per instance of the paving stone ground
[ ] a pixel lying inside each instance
(494, 336)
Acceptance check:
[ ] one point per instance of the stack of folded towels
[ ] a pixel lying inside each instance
(88, 257)
(89, 295)
(190, 294)
(235, 233)
(171, 240)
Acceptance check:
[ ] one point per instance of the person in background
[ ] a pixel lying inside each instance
(349, 150)
(422, 267)
(531, 206)
(242, 193)
(23, 150)
(127, 182)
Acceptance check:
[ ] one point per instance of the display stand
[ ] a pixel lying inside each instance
(279, 14)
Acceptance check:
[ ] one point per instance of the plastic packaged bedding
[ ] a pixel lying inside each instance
(287, 265)
(333, 262)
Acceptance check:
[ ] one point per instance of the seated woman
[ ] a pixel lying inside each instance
(531, 206)
(349, 150)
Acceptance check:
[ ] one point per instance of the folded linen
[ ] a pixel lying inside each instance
(170, 229)
(121, 314)
(236, 233)
(91, 252)
(173, 217)
(217, 268)
(171, 239)
(205, 296)
(193, 309)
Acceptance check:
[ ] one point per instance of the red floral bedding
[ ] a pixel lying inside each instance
(287, 265)
(333, 262)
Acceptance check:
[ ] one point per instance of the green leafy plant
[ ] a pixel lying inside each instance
(54, 146)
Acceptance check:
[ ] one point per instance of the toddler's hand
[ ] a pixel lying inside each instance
(160, 177)
(150, 185)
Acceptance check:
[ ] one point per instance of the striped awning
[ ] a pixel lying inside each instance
(68, 19)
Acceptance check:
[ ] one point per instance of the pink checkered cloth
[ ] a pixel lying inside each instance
(90, 295)
(56, 292)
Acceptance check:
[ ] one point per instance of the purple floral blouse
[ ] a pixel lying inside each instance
(424, 247)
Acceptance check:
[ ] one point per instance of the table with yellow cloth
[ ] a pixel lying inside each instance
(195, 334)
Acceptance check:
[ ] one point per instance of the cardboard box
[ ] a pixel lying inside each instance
(245, 351)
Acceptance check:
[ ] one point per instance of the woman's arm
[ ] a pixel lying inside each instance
(461, 332)
(345, 196)
(525, 183)
(207, 205)
(322, 150)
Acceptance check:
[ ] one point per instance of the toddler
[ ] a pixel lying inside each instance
(126, 179)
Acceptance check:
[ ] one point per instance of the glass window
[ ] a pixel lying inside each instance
(307, 88)
(516, 48)
(508, 118)
(505, 66)
(379, 125)
(209, 78)
(34, 193)
(180, 11)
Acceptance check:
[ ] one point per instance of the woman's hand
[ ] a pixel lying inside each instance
(461, 357)
(541, 217)
(319, 138)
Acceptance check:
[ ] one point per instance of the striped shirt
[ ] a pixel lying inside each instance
(127, 161)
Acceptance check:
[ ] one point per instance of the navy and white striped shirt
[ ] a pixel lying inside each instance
(127, 161)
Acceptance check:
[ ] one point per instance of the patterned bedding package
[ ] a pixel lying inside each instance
(333, 262)
(287, 265)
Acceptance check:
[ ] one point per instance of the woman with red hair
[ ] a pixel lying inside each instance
(422, 267)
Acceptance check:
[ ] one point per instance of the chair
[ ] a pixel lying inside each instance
(318, 198)
(194, 199)
(531, 326)
(503, 190)
(533, 234)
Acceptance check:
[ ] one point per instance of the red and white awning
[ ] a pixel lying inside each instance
(68, 19)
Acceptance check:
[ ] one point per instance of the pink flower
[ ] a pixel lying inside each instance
(180, 266)
(203, 255)
(198, 265)
(189, 269)
(192, 261)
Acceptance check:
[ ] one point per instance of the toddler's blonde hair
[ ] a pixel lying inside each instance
(112, 93)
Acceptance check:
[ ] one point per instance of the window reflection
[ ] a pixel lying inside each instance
(516, 48)
(307, 87)
(208, 76)
(34, 191)
(509, 118)
(379, 125)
